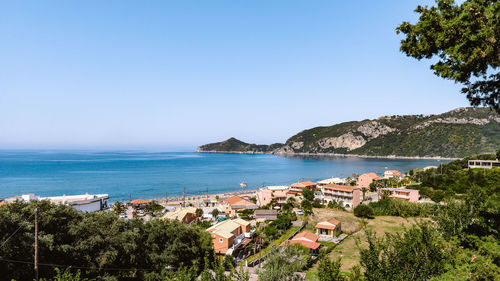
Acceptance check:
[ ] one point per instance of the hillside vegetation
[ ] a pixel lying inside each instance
(457, 133)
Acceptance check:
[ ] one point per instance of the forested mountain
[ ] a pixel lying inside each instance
(457, 133)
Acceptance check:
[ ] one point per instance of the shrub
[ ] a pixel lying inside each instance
(363, 211)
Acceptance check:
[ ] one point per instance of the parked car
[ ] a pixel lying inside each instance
(299, 212)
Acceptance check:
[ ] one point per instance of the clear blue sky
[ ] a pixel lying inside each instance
(176, 74)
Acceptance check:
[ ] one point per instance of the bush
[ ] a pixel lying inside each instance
(363, 211)
(393, 207)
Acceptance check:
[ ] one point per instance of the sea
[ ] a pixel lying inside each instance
(138, 174)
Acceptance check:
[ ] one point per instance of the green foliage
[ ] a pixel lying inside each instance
(118, 207)
(308, 194)
(465, 39)
(67, 275)
(228, 262)
(254, 200)
(416, 254)
(363, 211)
(215, 213)
(400, 208)
(245, 213)
(329, 270)
(282, 263)
(154, 207)
(96, 241)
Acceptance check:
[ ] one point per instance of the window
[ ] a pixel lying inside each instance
(220, 240)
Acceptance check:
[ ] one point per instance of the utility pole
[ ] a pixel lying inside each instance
(184, 198)
(166, 197)
(36, 244)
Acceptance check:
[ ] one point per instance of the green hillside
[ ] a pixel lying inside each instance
(457, 133)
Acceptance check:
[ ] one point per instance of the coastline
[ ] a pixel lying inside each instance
(330, 155)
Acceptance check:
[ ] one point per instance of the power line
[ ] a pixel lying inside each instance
(8, 238)
(79, 267)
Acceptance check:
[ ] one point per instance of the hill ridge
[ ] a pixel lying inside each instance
(457, 133)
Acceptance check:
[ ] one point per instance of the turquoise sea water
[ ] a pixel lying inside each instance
(151, 174)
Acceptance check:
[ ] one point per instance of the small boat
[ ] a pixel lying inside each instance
(243, 184)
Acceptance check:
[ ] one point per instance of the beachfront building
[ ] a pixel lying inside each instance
(183, 215)
(350, 196)
(85, 202)
(406, 194)
(366, 179)
(392, 174)
(297, 188)
(229, 235)
(306, 239)
(331, 181)
(328, 228)
(277, 193)
(485, 164)
(235, 203)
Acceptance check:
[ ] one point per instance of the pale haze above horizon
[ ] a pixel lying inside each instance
(173, 75)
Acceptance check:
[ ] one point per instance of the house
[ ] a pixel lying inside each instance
(366, 179)
(85, 202)
(403, 194)
(139, 203)
(228, 235)
(183, 215)
(235, 203)
(328, 228)
(350, 196)
(331, 181)
(306, 239)
(392, 174)
(299, 186)
(277, 193)
(266, 215)
(485, 164)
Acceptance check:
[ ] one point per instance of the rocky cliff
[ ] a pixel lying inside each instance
(457, 133)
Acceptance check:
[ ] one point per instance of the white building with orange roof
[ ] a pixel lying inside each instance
(393, 174)
(300, 186)
(328, 228)
(350, 196)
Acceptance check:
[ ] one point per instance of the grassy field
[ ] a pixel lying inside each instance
(348, 250)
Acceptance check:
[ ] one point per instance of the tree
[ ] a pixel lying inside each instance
(363, 211)
(465, 37)
(215, 213)
(420, 248)
(308, 194)
(329, 270)
(199, 212)
(254, 200)
(118, 207)
(498, 155)
(364, 190)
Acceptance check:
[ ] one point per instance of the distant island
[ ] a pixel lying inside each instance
(458, 133)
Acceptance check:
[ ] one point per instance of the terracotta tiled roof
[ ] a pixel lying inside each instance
(236, 200)
(303, 184)
(394, 172)
(139, 201)
(371, 175)
(305, 243)
(328, 224)
(306, 235)
(340, 187)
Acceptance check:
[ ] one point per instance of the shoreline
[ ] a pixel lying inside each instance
(331, 155)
